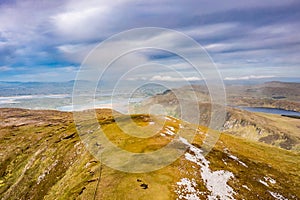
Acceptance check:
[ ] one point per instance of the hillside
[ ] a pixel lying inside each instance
(272, 94)
(42, 157)
(272, 129)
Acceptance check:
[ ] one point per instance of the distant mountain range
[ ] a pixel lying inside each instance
(37, 88)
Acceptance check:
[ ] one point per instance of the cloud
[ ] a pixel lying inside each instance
(169, 78)
(43, 74)
(243, 37)
(75, 53)
(211, 30)
(78, 25)
(164, 78)
(5, 68)
(248, 77)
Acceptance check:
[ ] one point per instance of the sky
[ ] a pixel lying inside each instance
(49, 40)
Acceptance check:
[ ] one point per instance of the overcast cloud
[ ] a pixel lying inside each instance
(48, 40)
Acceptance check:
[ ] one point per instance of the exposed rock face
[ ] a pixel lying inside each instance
(263, 128)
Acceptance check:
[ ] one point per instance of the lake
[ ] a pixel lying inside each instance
(271, 111)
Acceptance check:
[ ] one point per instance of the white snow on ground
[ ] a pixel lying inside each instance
(171, 128)
(277, 196)
(170, 119)
(151, 123)
(263, 182)
(272, 181)
(236, 159)
(215, 181)
(199, 131)
(187, 189)
(245, 186)
(168, 131)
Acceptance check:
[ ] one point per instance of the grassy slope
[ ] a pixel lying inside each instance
(43, 158)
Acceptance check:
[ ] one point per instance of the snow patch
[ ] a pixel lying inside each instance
(246, 187)
(277, 196)
(270, 180)
(199, 131)
(263, 182)
(187, 189)
(236, 159)
(226, 150)
(162, 134)
(171, 128)
(170, 119)
(151, 123)
(215, 181)
(168, 131)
